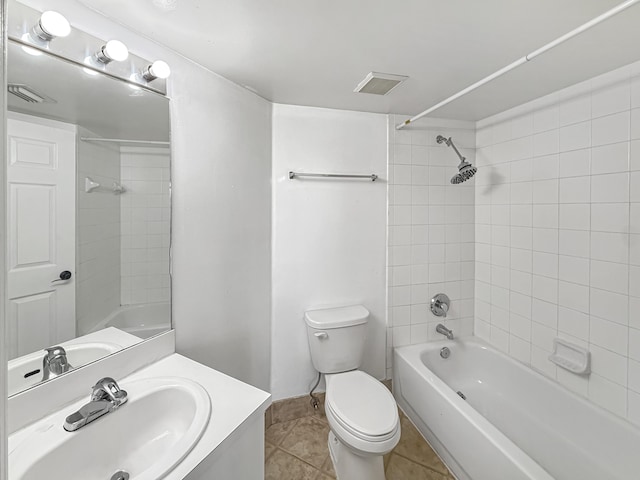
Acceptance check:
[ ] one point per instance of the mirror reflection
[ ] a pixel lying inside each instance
(88, 223)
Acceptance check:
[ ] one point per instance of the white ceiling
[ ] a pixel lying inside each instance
(314, 52)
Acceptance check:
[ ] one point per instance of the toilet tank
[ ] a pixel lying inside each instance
(336, 337)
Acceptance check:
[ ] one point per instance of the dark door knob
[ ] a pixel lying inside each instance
(64, 275)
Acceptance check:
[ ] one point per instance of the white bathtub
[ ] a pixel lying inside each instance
(143, 321)
(514, 424)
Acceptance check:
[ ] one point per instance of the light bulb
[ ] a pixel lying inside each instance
(112, 50)
(157, 69)
(160, 69)
(51, 25)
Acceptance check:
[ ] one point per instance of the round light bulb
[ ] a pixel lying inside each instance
(116, 50)
(160, 69)
(54, 24)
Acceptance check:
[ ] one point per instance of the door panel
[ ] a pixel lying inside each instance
(41, 232)
(32, 323)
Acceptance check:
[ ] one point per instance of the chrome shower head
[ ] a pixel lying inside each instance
(465, 169)
(465, 172)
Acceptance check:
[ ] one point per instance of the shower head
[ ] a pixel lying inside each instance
(465, 172)
(465, 169)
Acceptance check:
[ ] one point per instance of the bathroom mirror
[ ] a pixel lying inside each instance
(88, 215)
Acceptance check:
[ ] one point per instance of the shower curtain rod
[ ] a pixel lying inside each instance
(577, 31)
(123, 140)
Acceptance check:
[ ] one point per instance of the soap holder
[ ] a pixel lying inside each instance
(571, 357)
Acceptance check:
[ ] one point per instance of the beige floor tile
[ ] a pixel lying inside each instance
(308, 441)
(386, 459)
(328, 467)
(268, 450)
(282, 466)
(414, 447)
(401, 468)
(324, 476)
(291, 409)
(276, 432)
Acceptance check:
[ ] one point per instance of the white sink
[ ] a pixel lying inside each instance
(146, 437)
(78, 354)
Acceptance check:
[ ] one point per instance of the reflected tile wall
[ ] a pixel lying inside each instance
(98, 235)
(145, 231)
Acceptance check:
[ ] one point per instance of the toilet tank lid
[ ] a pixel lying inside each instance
(326, 318)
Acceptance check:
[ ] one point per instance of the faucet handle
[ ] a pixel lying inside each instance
(107, 389)
(55, 362)
(440, 305)
(57, 351)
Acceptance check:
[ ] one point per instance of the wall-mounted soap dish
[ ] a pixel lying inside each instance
(571, 357)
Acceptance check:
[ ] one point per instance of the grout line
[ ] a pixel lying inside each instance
(429, 467)
(297, 458)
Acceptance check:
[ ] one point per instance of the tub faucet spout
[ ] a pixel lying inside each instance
(440, 328)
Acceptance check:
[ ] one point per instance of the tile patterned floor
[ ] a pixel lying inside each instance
(297, 450)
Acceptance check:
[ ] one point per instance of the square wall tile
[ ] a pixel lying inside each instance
(611, 129)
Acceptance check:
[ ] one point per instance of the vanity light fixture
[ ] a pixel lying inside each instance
(157, 69)
(51, 25)
(110, 51)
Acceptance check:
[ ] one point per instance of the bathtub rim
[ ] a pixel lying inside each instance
(104, 323)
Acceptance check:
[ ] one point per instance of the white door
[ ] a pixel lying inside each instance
(41, 183)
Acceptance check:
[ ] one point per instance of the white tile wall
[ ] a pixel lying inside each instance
(558, 238)
(431, 233)
(98, 235)
(145, 231)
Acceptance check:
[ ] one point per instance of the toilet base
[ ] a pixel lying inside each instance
(351, 466)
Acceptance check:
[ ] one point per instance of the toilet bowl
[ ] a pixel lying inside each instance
(364, 423)
(362, 413)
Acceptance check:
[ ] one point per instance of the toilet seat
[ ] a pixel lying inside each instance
(362, 412)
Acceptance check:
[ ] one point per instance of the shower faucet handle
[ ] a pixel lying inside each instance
(440, 305)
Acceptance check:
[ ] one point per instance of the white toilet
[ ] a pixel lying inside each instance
(361, 412)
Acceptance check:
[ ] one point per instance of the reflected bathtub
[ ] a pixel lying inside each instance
(143, 321)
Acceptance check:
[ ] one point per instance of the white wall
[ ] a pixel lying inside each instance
(221, 161)
(558, 234)
(97, 234)
(329, 234)
(221, 225)
(145, 209)
(431, 231)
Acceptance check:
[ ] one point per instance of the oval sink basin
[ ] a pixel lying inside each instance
(26, 371)
(146, 437)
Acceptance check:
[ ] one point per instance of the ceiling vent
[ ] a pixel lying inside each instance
(379, 83)
(27, 94)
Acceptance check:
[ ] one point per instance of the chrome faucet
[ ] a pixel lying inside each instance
(440, 305)
(440, 328)
(106, 397)
(54, 363)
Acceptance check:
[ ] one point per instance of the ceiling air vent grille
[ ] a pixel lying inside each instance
(379, 83)
(27, 94)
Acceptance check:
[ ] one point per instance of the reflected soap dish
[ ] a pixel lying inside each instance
(571, 357)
